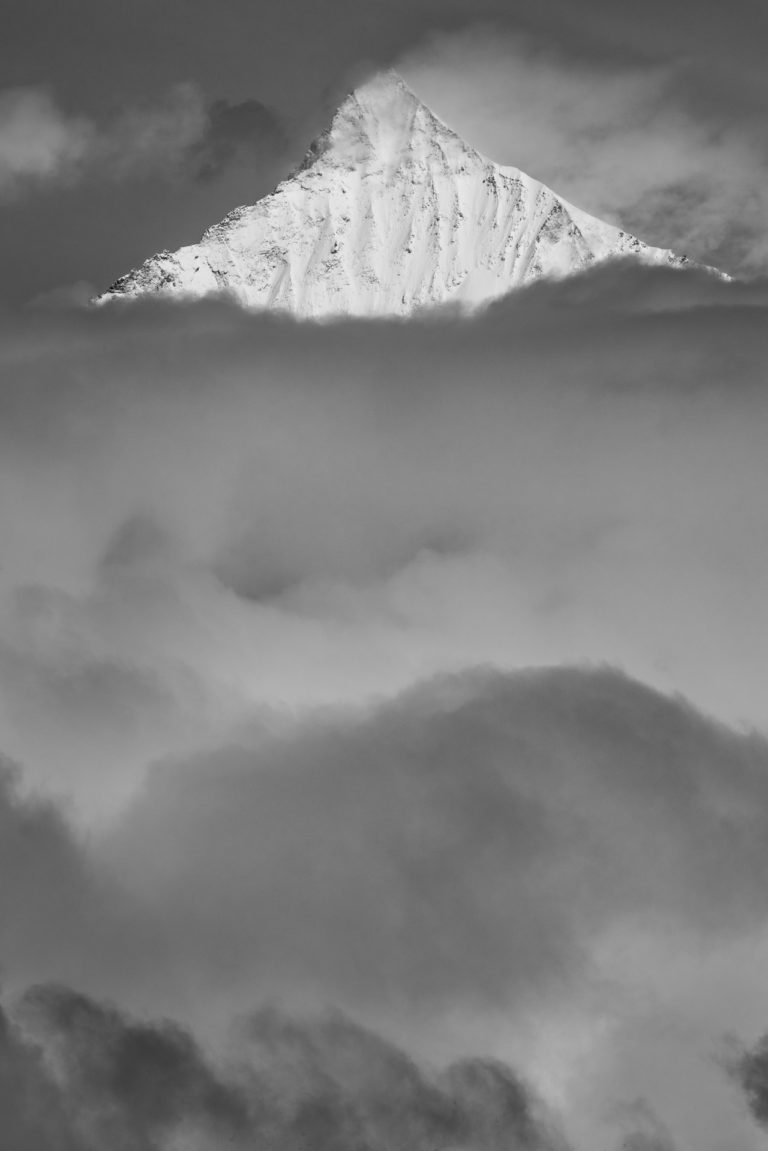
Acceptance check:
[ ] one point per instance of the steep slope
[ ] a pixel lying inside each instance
(391, 211)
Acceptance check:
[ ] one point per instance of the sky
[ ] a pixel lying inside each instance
(383, 734)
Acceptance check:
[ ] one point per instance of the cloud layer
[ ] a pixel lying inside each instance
(206, 512)
(79, 1073)
(528, 857)
(248, 569)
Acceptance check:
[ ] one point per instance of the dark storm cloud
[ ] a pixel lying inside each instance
(34, 1111)
(129, 1082)
(93, 1076)
(342, 1085)
(749, 1070)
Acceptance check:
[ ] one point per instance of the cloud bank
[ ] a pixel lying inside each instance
(527, 857)
(94, 1075)
(321, 650)
(206, 512)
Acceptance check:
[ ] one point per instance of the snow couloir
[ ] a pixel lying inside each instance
(390, 212)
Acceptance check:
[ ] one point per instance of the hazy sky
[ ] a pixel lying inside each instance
(383, 702)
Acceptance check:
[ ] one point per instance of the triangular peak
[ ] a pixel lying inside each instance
(382, 94)
(391, 211)
(381, 118)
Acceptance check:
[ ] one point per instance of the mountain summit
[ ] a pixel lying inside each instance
(390, 212)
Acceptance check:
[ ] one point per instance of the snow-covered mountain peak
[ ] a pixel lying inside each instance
(380, 125)
(391, 211)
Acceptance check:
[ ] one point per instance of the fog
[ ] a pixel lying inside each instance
(413, 670)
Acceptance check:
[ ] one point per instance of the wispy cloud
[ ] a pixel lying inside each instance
(43, 145)
(38, 142)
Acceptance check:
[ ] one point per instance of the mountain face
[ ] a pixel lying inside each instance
(390, 212)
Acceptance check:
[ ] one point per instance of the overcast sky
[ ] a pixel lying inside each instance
(383, 702)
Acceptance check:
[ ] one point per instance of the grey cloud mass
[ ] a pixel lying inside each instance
(248, 566)
(475, 846)
(464, 842)
(749, 1069)
(93, 1075)
(221, 510)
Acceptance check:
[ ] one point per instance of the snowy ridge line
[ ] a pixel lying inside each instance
(389, 213)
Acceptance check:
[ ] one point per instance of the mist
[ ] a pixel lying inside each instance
(408, 670)
(207, 514)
